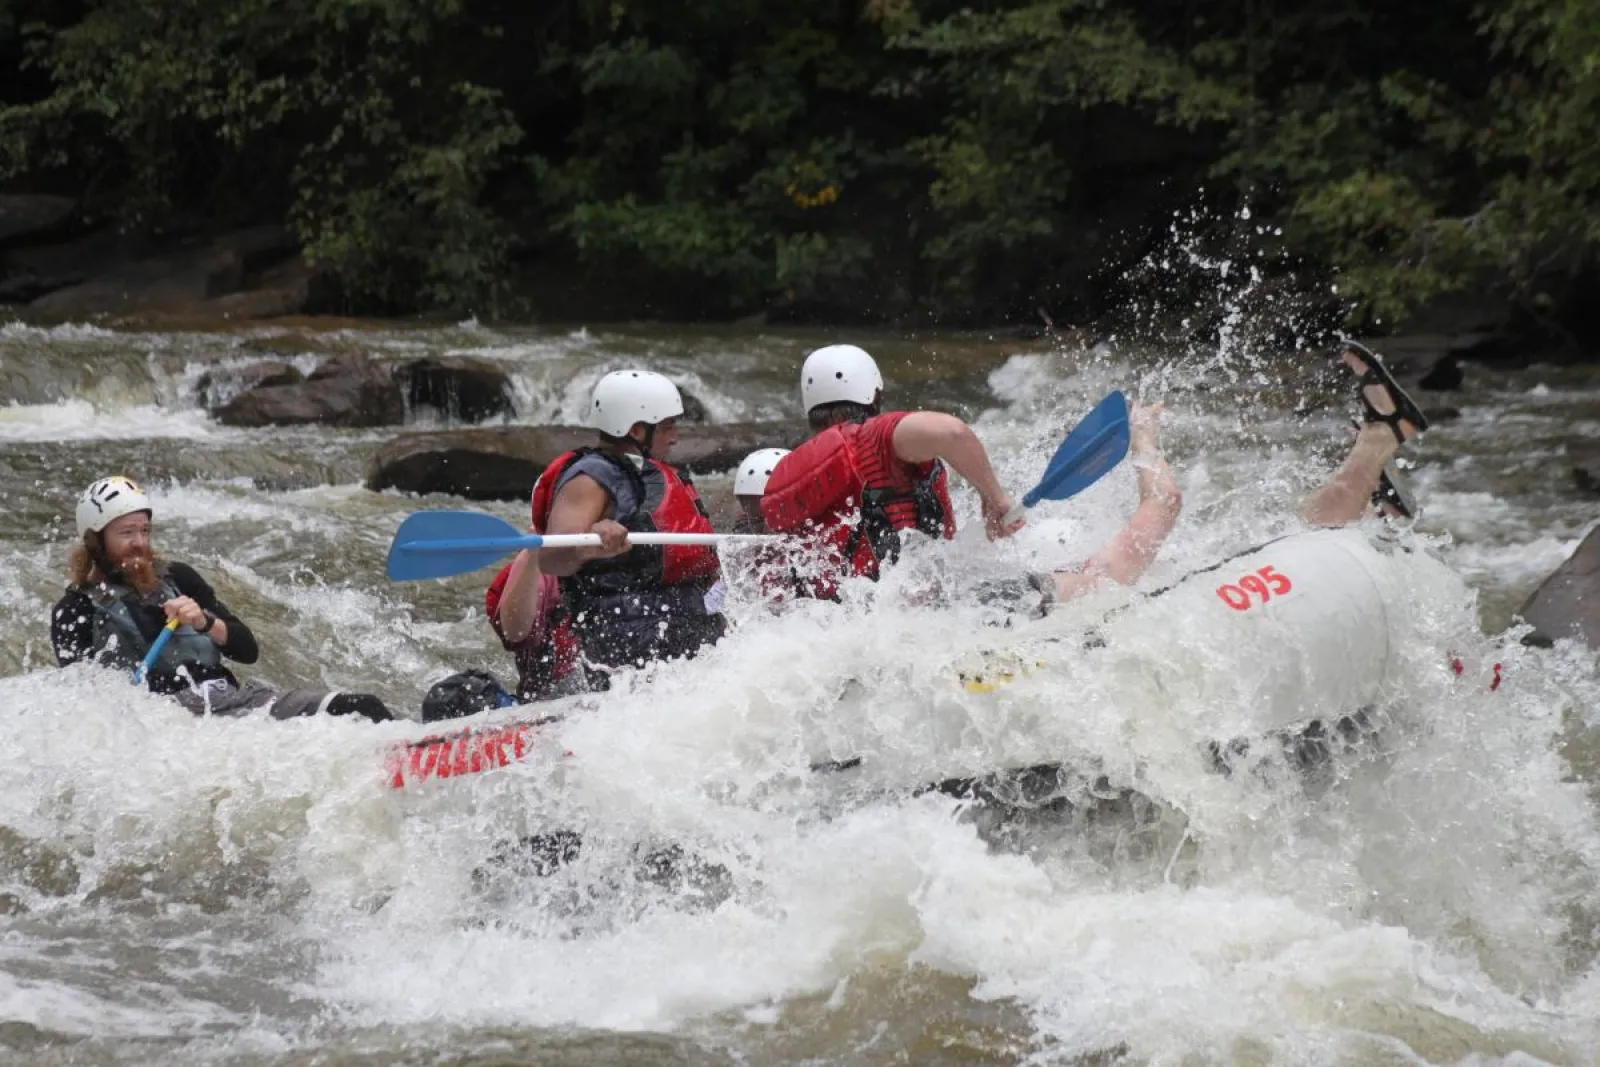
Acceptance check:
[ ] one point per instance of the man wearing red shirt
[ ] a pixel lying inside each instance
(866, 476)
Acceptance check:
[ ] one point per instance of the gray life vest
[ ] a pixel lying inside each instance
(117, 636)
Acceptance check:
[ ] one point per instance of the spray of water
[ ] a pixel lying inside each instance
(696, 852)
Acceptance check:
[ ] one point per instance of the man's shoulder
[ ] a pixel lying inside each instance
(877, 434)
(883, 425)
(71, 596)
(597, 465)
(182, 575)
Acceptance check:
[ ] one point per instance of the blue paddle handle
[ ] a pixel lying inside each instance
(155, 651)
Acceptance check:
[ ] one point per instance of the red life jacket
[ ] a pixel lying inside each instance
(854, 503)
(679, 511)
(551, 651)
(650, 603)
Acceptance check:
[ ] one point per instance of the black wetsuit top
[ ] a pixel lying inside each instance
(72, 632)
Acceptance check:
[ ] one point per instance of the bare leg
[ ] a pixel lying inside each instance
(1125, 559)
(1344, 498)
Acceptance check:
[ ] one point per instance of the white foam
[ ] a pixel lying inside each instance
(70, 331)
(1430, 904)
(80, 420)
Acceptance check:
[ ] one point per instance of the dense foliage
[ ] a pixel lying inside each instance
(890, 159)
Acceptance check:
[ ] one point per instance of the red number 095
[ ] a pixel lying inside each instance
(1261, 586)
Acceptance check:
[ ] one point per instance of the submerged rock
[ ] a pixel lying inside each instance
(218, 387)
(1586, 472)
(503, 462)
(499, 463)
(347, 391)
(469, 390)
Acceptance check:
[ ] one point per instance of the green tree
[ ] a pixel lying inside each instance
(345, 114)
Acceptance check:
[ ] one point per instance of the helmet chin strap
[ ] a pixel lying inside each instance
(649, 441)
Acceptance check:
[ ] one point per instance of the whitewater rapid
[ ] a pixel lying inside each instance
(181, 890)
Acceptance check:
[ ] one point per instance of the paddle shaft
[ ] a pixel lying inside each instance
(155, 650)
(587, 540)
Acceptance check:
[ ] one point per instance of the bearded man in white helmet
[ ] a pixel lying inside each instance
(629, 605)
(120, 597)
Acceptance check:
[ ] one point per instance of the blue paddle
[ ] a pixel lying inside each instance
(1094, 446)
(143, 669)
(437, 544)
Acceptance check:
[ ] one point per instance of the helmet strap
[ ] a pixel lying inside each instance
(630, 444)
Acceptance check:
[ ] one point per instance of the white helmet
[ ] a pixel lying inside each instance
(108, 500)
(625, 397)
(755, 469)
(839, 372)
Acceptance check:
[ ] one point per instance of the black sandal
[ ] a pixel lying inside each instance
(1392, 491)
(1405, 409)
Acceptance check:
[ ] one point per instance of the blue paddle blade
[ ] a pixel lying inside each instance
(1094, 446)
(437, 544)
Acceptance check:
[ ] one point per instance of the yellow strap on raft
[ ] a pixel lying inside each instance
(996, 674)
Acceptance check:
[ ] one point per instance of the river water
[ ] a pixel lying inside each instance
(244, 892)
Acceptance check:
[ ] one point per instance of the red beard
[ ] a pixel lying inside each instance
(139, 568)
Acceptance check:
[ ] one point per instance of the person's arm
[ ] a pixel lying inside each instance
(1128, 555)
(72, 628)
(923, 436)
(232, 636)
(580, 506)
(519, 607)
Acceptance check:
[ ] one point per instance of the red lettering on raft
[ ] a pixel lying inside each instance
(464, 752)
(1261, 586)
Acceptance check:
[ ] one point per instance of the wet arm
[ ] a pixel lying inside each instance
(519, 601)
(928, 435)
(578, 505)
(1128, 555)
(72, 629)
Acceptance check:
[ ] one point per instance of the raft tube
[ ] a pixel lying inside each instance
(1306, 628)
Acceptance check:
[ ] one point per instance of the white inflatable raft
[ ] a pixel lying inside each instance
(1309, 628)
(1304, 628)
